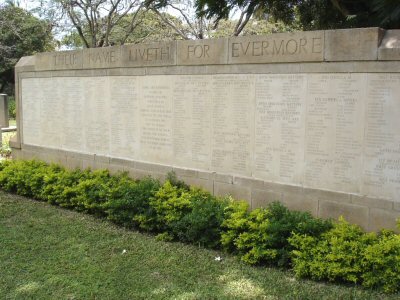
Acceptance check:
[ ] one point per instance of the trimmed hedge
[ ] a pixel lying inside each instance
(314, 248)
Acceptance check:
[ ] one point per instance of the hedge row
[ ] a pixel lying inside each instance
(314, 248)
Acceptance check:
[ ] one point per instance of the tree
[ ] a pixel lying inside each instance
(199, 21)
(311, 14)
(21, 34)
(149, 29)
(95, 20)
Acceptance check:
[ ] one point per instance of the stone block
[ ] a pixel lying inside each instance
(205, 175)
(223, 178)
(326, 195)
(352, 44)
(74, 163)
(202, 52)
(16, 154)
(299, 201)
(154, 54)
(116, 169)
(60, 60)
(372, 202)
(278, 47)
(390, 46)
(15, 144)
(107, 57)
(153, 168)
(352, 213)
(205, 184)
(137, 174)
(380, 218)
(396, 206)
(261, 198)
(25, 64)
(88, 164)
(101, 159)
(237, 192)
(248, 182)
(185, 172)
(124, 163)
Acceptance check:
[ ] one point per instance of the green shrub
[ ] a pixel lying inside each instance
(11, 108)
(202, 224)
(25, 178)
(59, 188)
(381, 262)
(261, 235)
(130, 199)
(169, 203)
(336, 255)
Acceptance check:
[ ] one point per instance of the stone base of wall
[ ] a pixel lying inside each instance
(370, 213)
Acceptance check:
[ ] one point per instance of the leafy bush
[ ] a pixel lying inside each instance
(25, 178)
(381, 263)
(202, 224)
(336, 255)
(261, 236)
(315, 248)
(11, 108)
(131, 199)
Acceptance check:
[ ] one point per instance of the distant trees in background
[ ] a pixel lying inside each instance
(21, 34)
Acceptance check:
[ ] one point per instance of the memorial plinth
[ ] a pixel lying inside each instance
(311, 119)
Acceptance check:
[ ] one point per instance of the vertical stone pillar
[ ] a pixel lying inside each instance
(3, 111)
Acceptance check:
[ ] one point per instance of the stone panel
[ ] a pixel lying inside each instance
(278, 47)
(202, 52)
(352, 213)
(154, 54)
(380, 218)
(352, 44)
(299, 201)
(61, 60)
(261, 198)
(239, 193)
(372, 202)
(107, 57)
(381, 174)
(390, 46)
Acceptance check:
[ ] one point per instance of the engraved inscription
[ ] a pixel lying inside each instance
(198, 51)
(382, 137)
(65, 59)
(150, 54)
(101, 57)
(279, 127)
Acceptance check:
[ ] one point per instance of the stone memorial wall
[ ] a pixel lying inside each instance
(311, 119)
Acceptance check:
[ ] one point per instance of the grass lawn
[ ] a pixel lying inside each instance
(51, 253)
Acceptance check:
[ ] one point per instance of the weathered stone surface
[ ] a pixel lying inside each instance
(261, 198)
(327, 195)
(3, 110)
(62, 60)
(390, 46)
(107, 57)
(257, 117)
(380, 219)
(279, 47)
(26, 64)
(237, 192)
(202, 52)
(352, 213)
(298, 201)
(352, 44)
(372, 202)
(154, 54)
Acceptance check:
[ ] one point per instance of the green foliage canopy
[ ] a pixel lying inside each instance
(311, 14)
(21, 34)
